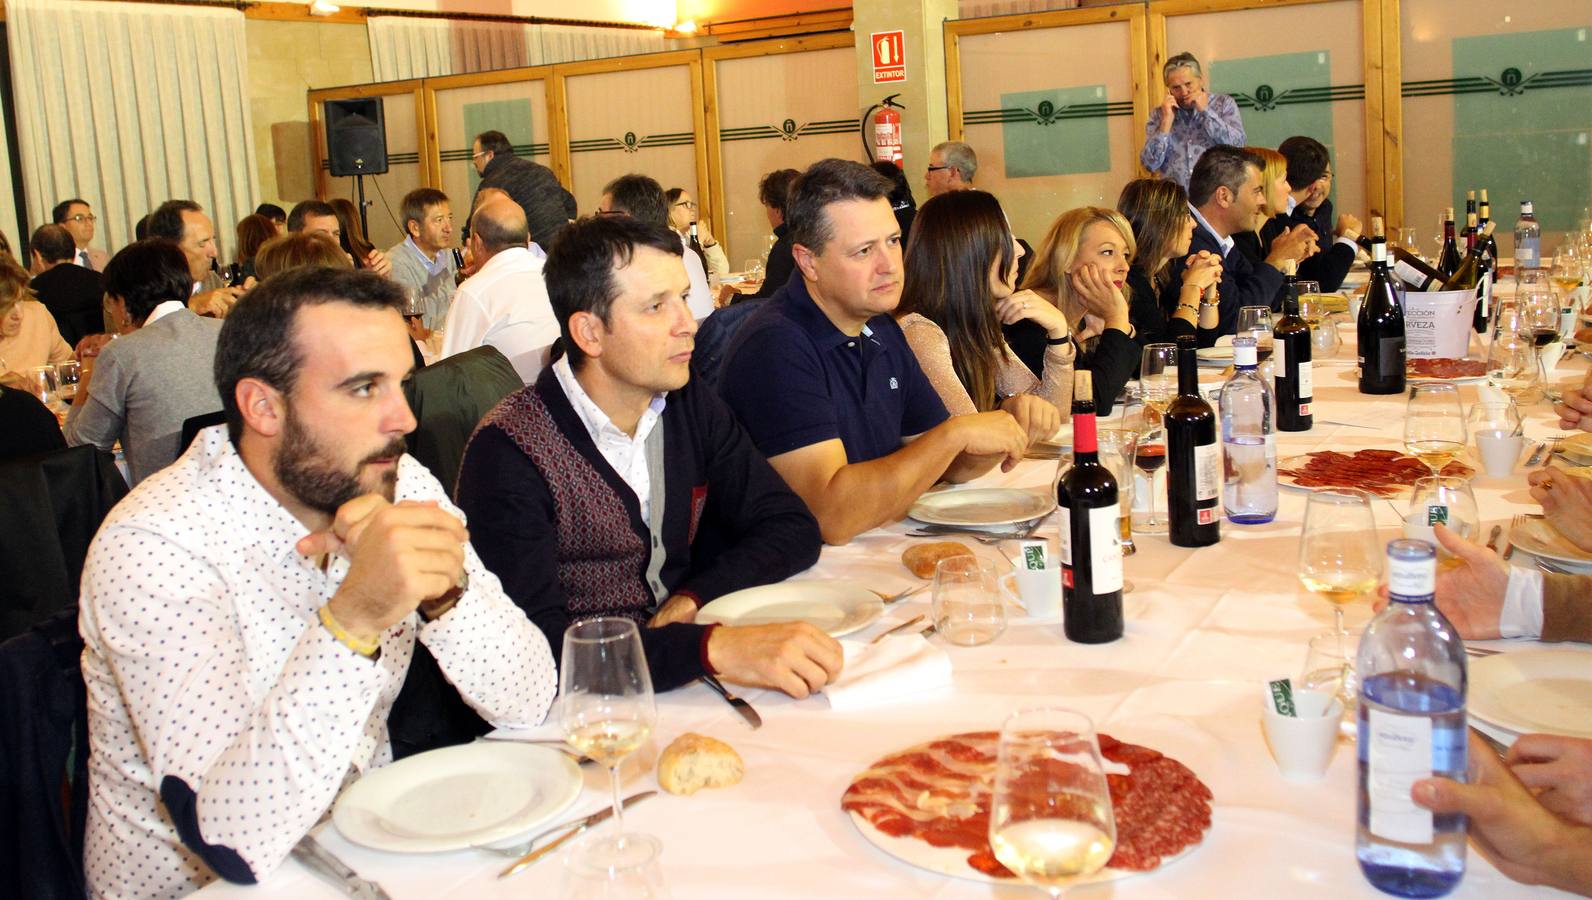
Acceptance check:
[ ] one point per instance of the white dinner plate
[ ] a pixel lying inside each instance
(1054, 447)
(487, 792)
(1534, 690)
(1577, 448)
(835, 607)
(1215, 356)
(1539, 538)
(980, 507)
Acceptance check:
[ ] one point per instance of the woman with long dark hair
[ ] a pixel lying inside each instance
(363, 253)
(1159, 308)
(960, 286)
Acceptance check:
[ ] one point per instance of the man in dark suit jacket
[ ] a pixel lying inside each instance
(1226, 197)
(73, 294)
(1310, 180)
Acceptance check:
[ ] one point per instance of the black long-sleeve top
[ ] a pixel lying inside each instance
(1244, 283)
(729, 522)
(1328, 266)
(779, 266)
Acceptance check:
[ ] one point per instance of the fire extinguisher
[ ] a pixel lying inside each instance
(885, 145)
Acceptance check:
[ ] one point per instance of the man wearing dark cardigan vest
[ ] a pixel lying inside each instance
(614, 486)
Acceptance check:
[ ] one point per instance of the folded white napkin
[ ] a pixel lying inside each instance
(898, 666)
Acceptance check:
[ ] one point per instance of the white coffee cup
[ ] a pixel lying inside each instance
(1303, 744)
(1499, 451)
(1355, 302)
(1037, 591)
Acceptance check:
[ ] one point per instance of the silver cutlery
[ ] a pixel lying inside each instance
(902, 627)
(576, 828)
(1536, 454)
(897, 597)
(523, 847)
(562, 747)
(1480, 651)
(319, 860)
(736, 703)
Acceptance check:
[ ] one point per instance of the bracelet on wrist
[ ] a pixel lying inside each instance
(1056, 342)
(1193, 308)
(366, 648)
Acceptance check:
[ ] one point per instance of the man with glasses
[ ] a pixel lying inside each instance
(952, 165)
(1310, 181)
(548, 207)
(77, 217)
(1189, 121)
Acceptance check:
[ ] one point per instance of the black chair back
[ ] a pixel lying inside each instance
(192, 425)
(449, 398)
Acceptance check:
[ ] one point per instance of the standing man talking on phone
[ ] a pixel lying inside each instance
(1189, 121)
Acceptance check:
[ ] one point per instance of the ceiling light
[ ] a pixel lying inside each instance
(689, 26)
(324, 8)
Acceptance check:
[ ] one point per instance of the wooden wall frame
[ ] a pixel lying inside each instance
(414, 87)
(711, 56)
(555, 125)
(1380, 70)
(1133, 14)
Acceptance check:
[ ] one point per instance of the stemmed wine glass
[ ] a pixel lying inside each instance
(1339, 557)
(1157, 387)
(1434, 425)
(1255, 321)
(1050, 818)
(1512, 363)
(1540, 309)
(605, 703)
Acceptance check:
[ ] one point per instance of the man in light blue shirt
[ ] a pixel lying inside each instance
(423, 263)
(1189, 121)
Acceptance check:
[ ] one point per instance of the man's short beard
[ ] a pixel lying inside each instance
(302, 468)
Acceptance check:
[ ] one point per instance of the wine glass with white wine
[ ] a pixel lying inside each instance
(1050, 818)
(1434, 425)
(605, 704)
(1339, 556)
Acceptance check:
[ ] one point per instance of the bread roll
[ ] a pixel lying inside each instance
(695, 761)
(922, 558)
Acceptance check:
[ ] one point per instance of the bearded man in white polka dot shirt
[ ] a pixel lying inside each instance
(249, 613)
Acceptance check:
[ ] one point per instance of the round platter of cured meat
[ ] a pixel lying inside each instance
(929, 806)
(1445, 369)
(1385, 473)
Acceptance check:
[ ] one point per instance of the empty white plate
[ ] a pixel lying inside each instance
(981, 506)
(1539, 538)
(481, 793)
(1534, 690)
(835, 607)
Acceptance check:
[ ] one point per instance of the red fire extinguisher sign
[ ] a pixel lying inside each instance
(889, 57)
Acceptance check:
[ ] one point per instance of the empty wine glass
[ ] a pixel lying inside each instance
(1434, 425)
(1051, 821)
(1329, 667)
(754, 269)
(1339, 556)
(1513, 365)
(605, 705)
(1442, 500)
(591, 873)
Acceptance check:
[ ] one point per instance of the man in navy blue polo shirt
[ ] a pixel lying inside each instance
(824, 381)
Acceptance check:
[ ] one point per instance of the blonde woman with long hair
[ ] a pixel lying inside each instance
(1256, 245)
(1081, 267)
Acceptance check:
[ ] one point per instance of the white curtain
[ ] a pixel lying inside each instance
(973, 9)
(127, 105)
(403, 47)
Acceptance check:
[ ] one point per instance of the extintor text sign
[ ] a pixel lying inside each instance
(889, 57)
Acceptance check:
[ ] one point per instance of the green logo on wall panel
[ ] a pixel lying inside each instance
(789, 130)
(512, 117)
(1071, 137)
(1511, 136)
(1283, 95)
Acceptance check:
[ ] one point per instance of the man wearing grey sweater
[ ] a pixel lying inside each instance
(143, 386)
(423, 262)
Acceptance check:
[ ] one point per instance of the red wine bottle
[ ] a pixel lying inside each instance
(1194, 461)
(1291, 360)
(1381, 330)
(1091, 541)
(1448, 259)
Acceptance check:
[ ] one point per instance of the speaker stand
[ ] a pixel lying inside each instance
(364, 225)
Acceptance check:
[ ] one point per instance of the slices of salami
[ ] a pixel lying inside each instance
(1445, 367)
(939, 792)
(1386, 473)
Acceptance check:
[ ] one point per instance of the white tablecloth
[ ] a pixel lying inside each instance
(1205, 628)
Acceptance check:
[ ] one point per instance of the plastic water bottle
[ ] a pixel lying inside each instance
(1528, 240)
(1412, 726)
(1247, 408)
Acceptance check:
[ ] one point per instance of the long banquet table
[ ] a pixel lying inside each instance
(1205, 629)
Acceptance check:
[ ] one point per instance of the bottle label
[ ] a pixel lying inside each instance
(1105, 548)
(1416, 578)
(1279, 355)
(1207, 474)
(1307, 387)
(1064, 525)
(1410, 275)
(1398, 754)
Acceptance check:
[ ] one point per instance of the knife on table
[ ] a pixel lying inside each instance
(319, 860)
(575, 828)
(1492, 539)
(740, 706)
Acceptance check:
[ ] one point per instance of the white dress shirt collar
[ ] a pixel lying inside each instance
(163, 310)
(626, 453)
(1225, 243)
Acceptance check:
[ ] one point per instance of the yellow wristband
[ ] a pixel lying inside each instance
(363, 648)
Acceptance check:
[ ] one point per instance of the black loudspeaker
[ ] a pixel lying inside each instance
(356, 136)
